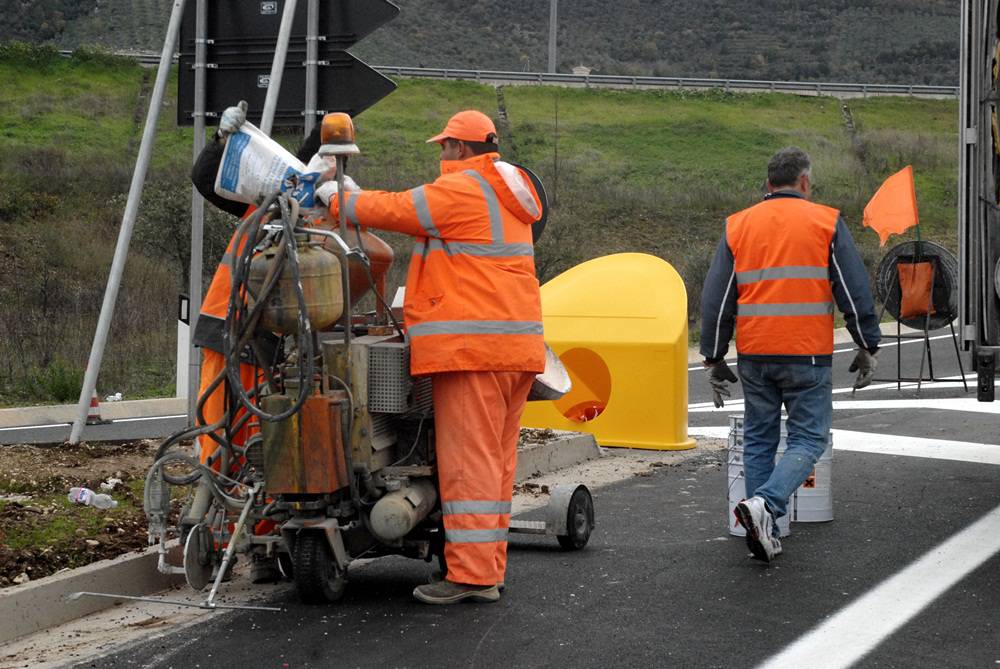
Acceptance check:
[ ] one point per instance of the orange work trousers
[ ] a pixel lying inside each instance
(213, 362)
(477, 423)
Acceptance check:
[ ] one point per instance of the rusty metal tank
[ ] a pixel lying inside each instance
(379, 253)
(319, 271)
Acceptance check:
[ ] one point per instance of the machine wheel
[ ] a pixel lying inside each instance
(579, 520)
(198, 556)
(317, 577)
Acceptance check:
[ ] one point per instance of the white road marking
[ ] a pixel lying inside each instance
(891, 444)
(116, 421)
(967, 404)
(855, 630)
(854, 348)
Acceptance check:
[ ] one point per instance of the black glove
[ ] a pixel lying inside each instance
(719, 377)
(864, 364)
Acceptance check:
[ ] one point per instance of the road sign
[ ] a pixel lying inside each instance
(241, 39)
(345, 84)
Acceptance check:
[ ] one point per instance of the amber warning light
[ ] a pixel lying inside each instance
(337, 135)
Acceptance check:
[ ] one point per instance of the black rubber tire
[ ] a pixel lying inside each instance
(579, 520)
(317, 577)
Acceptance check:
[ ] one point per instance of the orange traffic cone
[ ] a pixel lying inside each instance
(94, 412)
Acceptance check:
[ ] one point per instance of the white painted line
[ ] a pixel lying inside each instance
(855, 348)
(858, 628)
(891, 444)
(116, 421)
(938, 449)
(966, 404)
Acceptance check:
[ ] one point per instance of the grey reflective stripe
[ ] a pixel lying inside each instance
(481, 250)
(474, 536)
(492, 205)
(475, 506)
(424, 212)
(352, 203)
(789, 272)
(476, 328)
(789, 309)
(227, 259)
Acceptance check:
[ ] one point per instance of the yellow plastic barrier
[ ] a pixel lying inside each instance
(619, 324)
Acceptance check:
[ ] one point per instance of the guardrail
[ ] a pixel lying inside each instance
(623, 81)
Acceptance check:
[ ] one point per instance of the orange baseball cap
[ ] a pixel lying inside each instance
(468, 126)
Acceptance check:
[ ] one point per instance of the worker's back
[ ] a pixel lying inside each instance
(781, 253)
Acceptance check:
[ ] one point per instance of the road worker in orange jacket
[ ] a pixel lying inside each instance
(473, 314)
(779, 269)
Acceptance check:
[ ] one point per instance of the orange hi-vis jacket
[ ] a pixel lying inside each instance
(472, 299)
(781, 251)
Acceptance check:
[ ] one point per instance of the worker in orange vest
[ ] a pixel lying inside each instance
(208, 333)
(776, 274)
(473, 315)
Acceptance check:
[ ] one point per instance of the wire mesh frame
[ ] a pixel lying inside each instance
(925, 352)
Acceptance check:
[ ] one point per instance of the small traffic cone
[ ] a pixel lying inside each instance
(94, 412)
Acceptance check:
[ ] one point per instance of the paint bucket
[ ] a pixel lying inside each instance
(812, 502)
(737, 486)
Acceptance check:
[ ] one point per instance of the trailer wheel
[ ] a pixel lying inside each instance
(579, 520)
(317, 577)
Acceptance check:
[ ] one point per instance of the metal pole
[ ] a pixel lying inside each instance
(128, 222)
(278, 66)
(197, 211)
(553, 13)
(312, 65)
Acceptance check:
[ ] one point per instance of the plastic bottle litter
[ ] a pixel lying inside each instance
(88, 497)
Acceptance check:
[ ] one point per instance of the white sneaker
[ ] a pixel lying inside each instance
(753, 515)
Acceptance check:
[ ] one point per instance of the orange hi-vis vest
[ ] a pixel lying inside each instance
(472, 299)
(781, 253)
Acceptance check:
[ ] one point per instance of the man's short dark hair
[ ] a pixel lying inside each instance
(479, 148)
(787, 166)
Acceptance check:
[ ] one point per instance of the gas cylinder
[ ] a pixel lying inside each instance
(319, 271)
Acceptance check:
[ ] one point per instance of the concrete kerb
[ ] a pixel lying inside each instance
(66, 413)
(44, 603)
(567, 449)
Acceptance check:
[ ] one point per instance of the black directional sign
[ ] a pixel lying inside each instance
(241, 40)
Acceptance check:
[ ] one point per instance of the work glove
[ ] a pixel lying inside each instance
(232, 119)
(864, 364)
(327, 190)
(719, 377)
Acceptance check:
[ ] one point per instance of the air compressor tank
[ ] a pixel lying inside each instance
(397, 513)
(319, 271)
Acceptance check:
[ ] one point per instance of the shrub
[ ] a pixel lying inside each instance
(59, 381)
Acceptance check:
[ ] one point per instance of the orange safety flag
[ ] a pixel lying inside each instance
(893, 208)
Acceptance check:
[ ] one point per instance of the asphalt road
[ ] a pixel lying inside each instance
(906, 575)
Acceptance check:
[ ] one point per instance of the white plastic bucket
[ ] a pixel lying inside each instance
(738, 488)
(812, 502)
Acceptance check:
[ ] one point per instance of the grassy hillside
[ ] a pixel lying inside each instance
(627, 171)
(895, 41)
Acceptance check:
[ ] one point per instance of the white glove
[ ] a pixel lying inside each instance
(233, 118)
(327, 190)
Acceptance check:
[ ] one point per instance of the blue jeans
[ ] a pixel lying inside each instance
(806, 391)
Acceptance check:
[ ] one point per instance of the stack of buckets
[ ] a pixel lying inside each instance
(811, 503)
